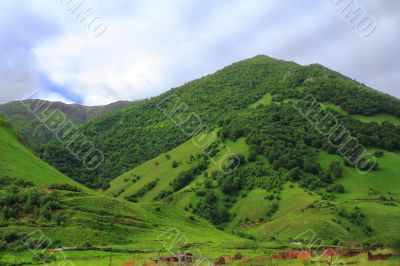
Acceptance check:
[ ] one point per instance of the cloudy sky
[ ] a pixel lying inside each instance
(96, 52)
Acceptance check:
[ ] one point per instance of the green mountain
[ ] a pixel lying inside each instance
(249, 106)
(265, 150)
(143, 131)
(35, 132)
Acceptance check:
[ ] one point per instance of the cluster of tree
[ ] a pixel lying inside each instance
(21, 199)
(12, 240)
(163, 194)
(329, 86)
(186, 177)
(247, 177)
(175, 164)
(66, 187)
(286, 139)
(353, 97)
(208, 209)
(141, 192)
(182, 180)
(355, 216)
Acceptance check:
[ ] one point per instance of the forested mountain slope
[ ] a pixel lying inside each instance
(143, 131)
(35, 132)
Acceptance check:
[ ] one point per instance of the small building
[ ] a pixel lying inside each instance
(179, 259)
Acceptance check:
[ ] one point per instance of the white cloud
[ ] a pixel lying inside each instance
(151, 46)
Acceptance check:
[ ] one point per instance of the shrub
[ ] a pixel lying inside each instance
(66, 187)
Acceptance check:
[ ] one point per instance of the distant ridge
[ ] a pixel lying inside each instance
(31, 129)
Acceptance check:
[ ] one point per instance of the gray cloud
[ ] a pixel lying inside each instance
(151, 46)
(19, 73)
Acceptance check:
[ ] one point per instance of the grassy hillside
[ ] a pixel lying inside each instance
(37, 198)
(35, 132)
(81, 219)
(160, 169)
(298, 209)
(16, 160)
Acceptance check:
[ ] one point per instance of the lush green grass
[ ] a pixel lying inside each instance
(102, 219)
(372, 192)
(253, 206)
(265, 100)
(295, 218)
(187, 195)
(107, 221)
(383, 180)
(378, 118)
(334, 107)
(17, 160)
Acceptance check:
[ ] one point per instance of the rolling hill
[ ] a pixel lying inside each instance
(39, 201)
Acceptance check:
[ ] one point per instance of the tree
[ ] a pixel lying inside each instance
(207, 184)
(175, 164)
(295, 174)
(210, 198)
(335, 168)
(339, 188)
(311, 167)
